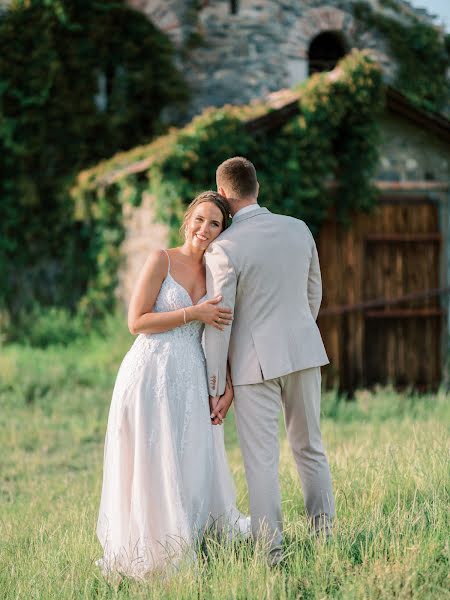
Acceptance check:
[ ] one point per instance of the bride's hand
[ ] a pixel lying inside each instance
(209, 313)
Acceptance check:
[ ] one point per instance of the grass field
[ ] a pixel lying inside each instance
(389, 460)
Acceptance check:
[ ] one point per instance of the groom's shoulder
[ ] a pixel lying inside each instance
(222, 242)
(226, 244)
(236, 230)
(289, 221)
(228, 235)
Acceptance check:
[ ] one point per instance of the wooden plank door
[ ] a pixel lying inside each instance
(401, 257)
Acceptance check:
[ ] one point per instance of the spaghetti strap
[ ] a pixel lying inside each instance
(168, 258)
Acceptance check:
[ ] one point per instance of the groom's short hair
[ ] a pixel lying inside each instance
(237, 175)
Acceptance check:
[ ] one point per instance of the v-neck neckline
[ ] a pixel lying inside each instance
(169, 274)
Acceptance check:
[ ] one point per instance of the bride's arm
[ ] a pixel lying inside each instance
(141, 319)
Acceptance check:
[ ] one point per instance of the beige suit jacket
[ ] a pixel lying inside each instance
(266, 268)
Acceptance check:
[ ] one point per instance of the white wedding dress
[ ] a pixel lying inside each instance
(165, 477)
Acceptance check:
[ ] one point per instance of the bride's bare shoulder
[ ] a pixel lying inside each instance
(157, 262)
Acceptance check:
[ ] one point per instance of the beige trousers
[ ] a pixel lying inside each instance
(257, 408)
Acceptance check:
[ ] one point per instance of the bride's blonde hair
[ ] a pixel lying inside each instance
(208, 196)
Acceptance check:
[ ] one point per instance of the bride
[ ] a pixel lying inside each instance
(165, 477)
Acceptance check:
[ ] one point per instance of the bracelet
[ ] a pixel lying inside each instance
(184, 315)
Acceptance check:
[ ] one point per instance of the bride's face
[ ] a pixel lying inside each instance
(205, 224)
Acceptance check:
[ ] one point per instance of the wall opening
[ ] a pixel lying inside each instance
(325, 50)
(234, 7)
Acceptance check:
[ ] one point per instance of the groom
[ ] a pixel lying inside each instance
(266, 268)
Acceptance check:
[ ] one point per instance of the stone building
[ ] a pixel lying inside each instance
(232, 51)
(387, 277)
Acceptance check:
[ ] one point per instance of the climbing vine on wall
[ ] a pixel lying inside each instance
(78, 81)
(423, 54)
(334, 137)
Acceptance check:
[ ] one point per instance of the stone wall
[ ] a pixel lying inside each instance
(262, 48)
(168, 15)
(410, 153)
(143, 234)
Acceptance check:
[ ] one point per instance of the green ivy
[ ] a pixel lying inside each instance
(335, 136)
(79, 80)
(422, 52)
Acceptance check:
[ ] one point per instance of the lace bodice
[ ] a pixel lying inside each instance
(183, 342)
(173, 296)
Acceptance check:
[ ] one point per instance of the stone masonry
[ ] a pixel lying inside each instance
(143, 234)
(411, 153)
(262, 48)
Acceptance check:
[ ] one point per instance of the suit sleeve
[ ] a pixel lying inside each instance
(220, 280)
(314, 281)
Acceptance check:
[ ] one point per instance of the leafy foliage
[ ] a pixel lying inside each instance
(79, 80)
(49, 326)
(423, 55)
(334, 137)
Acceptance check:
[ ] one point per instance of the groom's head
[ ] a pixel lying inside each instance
(237, 182)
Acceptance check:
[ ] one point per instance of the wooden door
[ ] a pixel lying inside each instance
(390, 253)
(401, 258)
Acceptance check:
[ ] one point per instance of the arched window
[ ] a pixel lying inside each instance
(325, 50)
(234, 7)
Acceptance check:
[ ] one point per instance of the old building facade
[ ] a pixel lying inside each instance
(386, 278)
(232, 51)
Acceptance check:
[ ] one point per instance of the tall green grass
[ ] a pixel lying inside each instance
(388, 455)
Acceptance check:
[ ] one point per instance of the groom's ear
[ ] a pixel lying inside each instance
(222, 192)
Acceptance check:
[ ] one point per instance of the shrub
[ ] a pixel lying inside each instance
(422, 52)
(48, 326)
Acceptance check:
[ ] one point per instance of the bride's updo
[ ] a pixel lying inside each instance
(208, 196)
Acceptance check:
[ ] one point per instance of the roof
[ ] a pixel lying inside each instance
(398, 104)
(285, 106)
